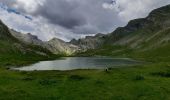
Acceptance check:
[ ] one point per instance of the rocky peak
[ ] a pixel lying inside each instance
(99, 35)
(89, 42)
(32, 36)
(27, 38)
(59, 46)
(56, 40)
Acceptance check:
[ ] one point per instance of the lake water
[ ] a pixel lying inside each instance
(72, 63)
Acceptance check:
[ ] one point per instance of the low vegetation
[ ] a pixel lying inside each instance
(139, 82)
(13, 54)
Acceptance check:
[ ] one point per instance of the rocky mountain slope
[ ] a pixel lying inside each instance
(56, 46)
(26, 38)
(12, 50)
(152, 30)
(142, 34)
(144, 37)
(89, 42)
(59, 46)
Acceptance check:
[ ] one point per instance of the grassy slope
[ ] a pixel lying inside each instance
(114, 51)
(10, 55)
(159, 54)
(149, 82)
(14, 52)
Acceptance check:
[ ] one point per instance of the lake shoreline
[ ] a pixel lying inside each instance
(76, 63)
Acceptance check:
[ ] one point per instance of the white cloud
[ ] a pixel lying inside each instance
(29, 5)
(132, 9)
(38, 26)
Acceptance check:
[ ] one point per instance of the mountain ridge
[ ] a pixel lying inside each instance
(142, 38)
(13, 51)
(135, 35)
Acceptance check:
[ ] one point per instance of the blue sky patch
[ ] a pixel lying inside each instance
(12, 10)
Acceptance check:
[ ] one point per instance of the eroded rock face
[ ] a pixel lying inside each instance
(89, 42)
(55, 45)
(59, 46)
(149, 32)
(27, 38)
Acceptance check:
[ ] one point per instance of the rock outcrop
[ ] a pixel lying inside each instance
(89, 42)
(59, 46)
(27, 38)
(56, 46)
(139, 33)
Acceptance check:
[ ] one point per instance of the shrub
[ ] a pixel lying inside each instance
(28, 78)
(161, 74)
(76, 77)
(139, 77)
(47, 81)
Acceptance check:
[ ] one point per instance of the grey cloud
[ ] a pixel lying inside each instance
(62, 13)
(77, 15)
(7, 2)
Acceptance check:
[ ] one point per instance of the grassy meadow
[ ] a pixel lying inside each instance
(147, 82)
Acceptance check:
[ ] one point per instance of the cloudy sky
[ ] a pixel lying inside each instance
(68, 19)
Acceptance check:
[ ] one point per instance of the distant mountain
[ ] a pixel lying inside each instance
(144, 37)
(59, 46)
(89, 42)
(27, 38)
(13, 50)
(135, 34)
(141, 31)
(152, 30)
(56, 46)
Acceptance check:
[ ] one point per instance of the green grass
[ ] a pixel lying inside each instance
(15, 53)
(148, 82)
(18, 59)
(155, 55)
(108, 50)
